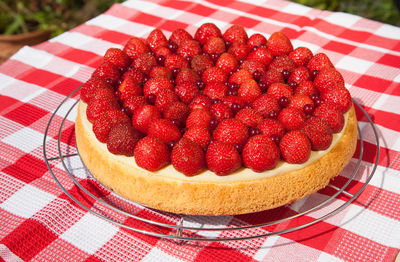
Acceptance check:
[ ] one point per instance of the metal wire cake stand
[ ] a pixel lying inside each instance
(68, 170)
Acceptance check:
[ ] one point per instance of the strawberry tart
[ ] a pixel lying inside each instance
(215, 123)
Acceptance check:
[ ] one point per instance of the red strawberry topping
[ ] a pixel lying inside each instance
(122, 139)
(222, 158)
(102, 101)
(187, 91)
(164, 129)
(270, 127)
(102, 125)
(206, 31)
(199, 135)
(143, 116)
(319, 62)
(279, 44)
(156, 39)
(108, 72)
(179, 36)
(231, 131)
(260, 153)
(292, 118)
(89, 88)
(318, 132)
(265, 104)
(235, 33)
(339, 95)
(227, 62)
(328, 78)
(118, 58)
(188, 157)
(295, 147)
(256, 40)
(301, 56)
(151, 153)
(249, 117)
(135, 47)
(330, 113)
(198, 118)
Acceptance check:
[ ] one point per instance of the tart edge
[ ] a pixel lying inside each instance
(210, 198)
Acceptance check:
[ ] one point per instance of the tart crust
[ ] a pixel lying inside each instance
(194, 197)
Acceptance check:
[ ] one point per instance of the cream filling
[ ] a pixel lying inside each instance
(241, 174)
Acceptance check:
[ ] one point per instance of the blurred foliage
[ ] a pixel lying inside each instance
(23, 16)
(56, 15)
(384, 11)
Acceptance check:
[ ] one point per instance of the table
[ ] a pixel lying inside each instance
(39, 221)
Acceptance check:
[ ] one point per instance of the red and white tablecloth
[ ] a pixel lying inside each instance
(38, 221)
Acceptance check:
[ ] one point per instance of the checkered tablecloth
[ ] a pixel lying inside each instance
(39, 222)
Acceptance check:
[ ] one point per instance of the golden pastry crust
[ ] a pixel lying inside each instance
(212, 198)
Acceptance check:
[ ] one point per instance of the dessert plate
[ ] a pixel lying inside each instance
(69, 172)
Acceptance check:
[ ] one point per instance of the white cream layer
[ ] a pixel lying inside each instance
(206, 175)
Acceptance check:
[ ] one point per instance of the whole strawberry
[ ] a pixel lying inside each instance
(270, 77)
(128, 88)
(236, 33)
(253, 66)
(292, 118)
(161, 72)
(151, 153)
(240, 76)
(200, 102)
(118, 58)
(239, 50)
(265, 104)
(200, 63)
(189, 48)
(102, 101)
(89, 88)
(282, 63)
(188, 157)
(179, 36)
(186, 75)
(328, 78)
(278, 90)
(249, 91)
(145, 62)
(164, 129)
(186, 92)
(107, 71)
(133, 73)
(339, 95)
(299, 75)
(301, 56)
(279, 44)
(222, 158)
(156, 84)
(206, 31)
(295, 147)
(249, 117)
(175, 61)
(319, 62)
(177, 112)
(305, 88)
(215, 90)
(134, 102)
(270, 127)
(198, 118)
(260, 153)
(164, 98)
(214, 45)
(227, 62)
(135, 47)
(299, 101)
(318, 132)
(231, 131)
(143, 116)
(262, 55)
(103, 124)
(221, 111)
(199, 135)
(330, 113)
(214, 74)
(256, 40)
(122, 139)
(156, 39)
